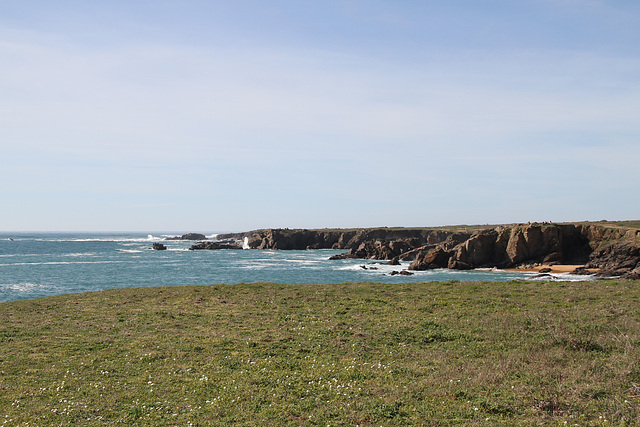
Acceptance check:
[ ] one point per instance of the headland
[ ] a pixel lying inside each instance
(608, 249)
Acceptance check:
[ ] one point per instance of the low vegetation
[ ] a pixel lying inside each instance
(468, 228)
(451, 353)
(620, 224)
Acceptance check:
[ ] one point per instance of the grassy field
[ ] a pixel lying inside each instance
(452, 353)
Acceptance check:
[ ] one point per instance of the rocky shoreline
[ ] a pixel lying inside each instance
(613, 251)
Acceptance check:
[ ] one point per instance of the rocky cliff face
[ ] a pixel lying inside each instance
(297, 239)
(615, 251)
(617, 259)
(505, 247)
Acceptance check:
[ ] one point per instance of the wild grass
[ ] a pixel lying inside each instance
(450, 353)
(476, 227)
(620, 224)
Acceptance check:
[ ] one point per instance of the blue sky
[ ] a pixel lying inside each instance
(228, 116)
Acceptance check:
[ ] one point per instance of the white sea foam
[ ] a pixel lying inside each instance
(22, 287)
(561, 277)
(253, 266)
(245, 243)
(302, 261)
(63, 263)
(79, 254)
(149, 238)
(262, 260)
(375, 267)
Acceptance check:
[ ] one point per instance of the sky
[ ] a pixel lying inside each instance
(211, 116)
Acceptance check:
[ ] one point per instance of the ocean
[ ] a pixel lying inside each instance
(34, 265)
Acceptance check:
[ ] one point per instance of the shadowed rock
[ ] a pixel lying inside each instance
(217, 244)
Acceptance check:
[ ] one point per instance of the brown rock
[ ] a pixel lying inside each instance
(435, 258)
(401, 273)
(619, 258)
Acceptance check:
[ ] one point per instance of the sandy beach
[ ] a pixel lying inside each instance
(559, 268)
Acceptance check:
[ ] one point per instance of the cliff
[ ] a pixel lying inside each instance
(615, 250)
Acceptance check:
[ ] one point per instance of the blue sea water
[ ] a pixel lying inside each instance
(34, 265)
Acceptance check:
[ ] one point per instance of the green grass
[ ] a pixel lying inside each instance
(475, 227)
(450, 353)
(620, 224)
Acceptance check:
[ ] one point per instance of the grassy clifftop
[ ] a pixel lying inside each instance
(631, 224)
(448, 353)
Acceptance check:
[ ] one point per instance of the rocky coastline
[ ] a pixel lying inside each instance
(612, 250)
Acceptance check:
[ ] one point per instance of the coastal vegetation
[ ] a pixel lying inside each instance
(437, 353)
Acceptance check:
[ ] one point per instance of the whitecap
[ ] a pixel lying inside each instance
(63, 263)
(22, 287)
(372, 267)
(561, 277)
(252, 267)
(302, 261)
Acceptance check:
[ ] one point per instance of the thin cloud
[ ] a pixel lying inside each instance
(407, 125)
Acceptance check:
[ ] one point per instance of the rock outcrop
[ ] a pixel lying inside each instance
(617, 259)
(505, 247)
(217, 244)
(159, 247)
(431, 259)
(352, 240)
(189, 236)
